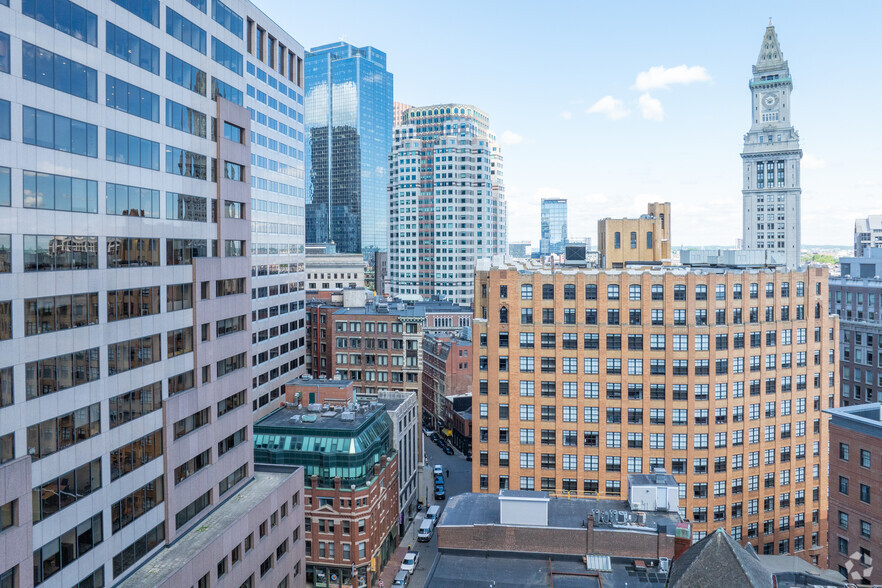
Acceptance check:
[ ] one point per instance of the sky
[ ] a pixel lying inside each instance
(615, 104)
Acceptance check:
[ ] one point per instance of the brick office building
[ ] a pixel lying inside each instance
(377, 345)
(351, 497)
(717, 375)
(855, 530)
(447, 370)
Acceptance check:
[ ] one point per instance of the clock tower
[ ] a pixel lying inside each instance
(771, 156)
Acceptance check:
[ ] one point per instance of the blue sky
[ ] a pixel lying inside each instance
(538, 68)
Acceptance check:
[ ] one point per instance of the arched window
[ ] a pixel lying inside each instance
(503, 315)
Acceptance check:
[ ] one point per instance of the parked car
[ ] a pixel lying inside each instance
(410, 561)
(439, 480)
(438, 469)
(425, 532)
(469, 456)
(439, 493)
(401, 579)
(448, 450)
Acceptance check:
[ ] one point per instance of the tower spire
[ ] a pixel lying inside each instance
(770, 55)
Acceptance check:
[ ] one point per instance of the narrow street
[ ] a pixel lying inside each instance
(459, 481)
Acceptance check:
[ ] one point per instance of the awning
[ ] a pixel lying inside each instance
(447, 432)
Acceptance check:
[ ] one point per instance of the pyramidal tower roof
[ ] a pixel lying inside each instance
(770, 55)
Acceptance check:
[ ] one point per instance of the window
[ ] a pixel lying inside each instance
(63, 550)
(226, 55)
(53, 131)
(137, 504)
(135, 404)
(226, 17)
(185, 31)
(184, 118)
(184, 75)
(132, 150)
(123, 460)
(181, 162)
(58, 72)
(65, 16)
(133, 49)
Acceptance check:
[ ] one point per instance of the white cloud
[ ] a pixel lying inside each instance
(510, 138)
(661, 77)
(810, 161)
(566, 114)
(651, 108)
(611, 108)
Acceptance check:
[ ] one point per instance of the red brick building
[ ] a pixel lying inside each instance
(351, 498)
(855, 521)
(377, 345)
(447, 371)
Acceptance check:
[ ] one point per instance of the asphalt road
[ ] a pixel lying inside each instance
(459, 482)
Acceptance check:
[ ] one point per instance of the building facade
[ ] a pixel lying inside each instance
(447, 370)
(867, 234)
(349, 136)
(446, 201)
(351, 494)
(403, 411)
(855, 482)
(553, 231)
(334, 271)
(857, 301)
(641, 241)
(584, 376)
(772, 194)
(136, 168)
(376, 345)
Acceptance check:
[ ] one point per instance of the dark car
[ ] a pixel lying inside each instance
(448, 450)
(469, 456)
(439, 480)
(439, 493)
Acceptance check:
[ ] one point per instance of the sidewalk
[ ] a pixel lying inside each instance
(394, 563)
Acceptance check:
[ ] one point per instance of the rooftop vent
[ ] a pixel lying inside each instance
(347, 416)
(314, 408)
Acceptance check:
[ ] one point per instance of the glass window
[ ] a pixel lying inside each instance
(226, 17)
(65, 16)
(58, 72)
(185, 31)
(132, 48)
(184, 74)
(4, 119)
(224, 90)
(181, 162)
(52, 131)
(226, 55)
(53, 192)
(183, 118)
(131, 99)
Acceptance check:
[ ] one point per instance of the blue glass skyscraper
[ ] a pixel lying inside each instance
(349, 137)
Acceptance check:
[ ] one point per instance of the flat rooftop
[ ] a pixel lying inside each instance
(529, 266)
(861, 418)
(458, 569)
(483, 509)
(170, 559)
(290, 417)
(318, 382)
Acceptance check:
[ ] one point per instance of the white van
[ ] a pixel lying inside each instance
(438, 469)
(433, 514)
(425, 532)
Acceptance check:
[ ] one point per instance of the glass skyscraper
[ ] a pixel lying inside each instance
(349, 137)
(553, 237)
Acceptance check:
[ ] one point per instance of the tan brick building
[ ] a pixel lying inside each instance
(645, 240)
(718, 375)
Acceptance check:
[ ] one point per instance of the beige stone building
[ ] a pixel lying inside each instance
(645, 240)
(717, 375)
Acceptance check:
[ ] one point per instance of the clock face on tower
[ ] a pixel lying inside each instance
(770, 100)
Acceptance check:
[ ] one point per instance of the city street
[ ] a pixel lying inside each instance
(459, 481)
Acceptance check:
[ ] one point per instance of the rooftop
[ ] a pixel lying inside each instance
(464, 569)
(291, 417)
(169, 560)
(719, 556)
(483, 509)
(318, 382)
(529, 266)
(861, 418)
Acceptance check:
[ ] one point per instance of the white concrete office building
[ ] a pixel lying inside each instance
(446, 201)
(151, 262)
